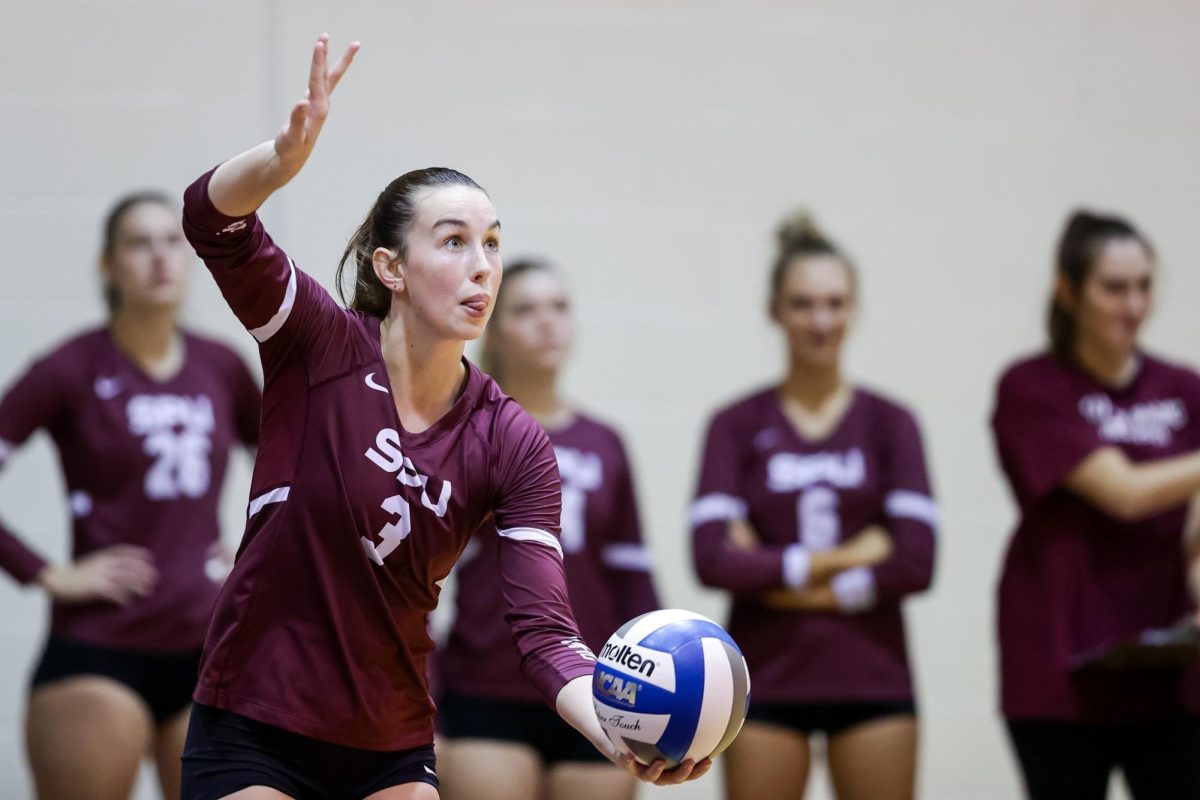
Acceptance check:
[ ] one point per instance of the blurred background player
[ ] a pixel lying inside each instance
(502, 742)
(814, 511)
(1099, 443)
(143, 414)
(382, 451)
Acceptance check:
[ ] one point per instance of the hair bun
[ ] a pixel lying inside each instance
(800, 230)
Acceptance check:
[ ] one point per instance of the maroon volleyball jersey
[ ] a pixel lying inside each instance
(143, 462)
(607, 566)
(354, 522)
(801, 497)
(1077, 581)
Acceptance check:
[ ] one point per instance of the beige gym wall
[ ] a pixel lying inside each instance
(650, 147)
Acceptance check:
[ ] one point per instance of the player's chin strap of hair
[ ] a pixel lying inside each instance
(575, 705)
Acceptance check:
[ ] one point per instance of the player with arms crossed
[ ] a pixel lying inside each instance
(382, 451)
(1101, 446)
(143, 415)
(502, 742)
(814, 511)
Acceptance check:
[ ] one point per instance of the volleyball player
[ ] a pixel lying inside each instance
(814, 511)
(382, 450)
(143, 414)
(502, 742)
(1100, 442)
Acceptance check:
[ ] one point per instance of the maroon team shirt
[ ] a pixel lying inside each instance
(143, 461)
(354, 522)
(607, 567)
(1077, 581)
(801, 497)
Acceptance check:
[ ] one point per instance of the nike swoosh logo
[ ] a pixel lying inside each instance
(373, 385)
(427, 769)
(107, 388)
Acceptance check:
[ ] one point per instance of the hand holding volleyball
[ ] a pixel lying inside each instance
(671, 686)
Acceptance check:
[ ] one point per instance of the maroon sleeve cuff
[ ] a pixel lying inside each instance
(201, 217)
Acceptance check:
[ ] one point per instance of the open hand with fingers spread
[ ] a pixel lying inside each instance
(243, 183)
(116, 574)
(299, 134)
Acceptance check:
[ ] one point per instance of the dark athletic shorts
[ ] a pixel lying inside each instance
(828, 718)
(226, 752)
(523, 722)
(164, 681)
(1160, 758)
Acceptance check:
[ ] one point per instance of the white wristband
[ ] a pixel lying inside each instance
(795, 566)
(855, 589)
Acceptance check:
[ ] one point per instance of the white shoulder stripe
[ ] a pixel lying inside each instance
(265, 499)
(912, 505)
(717, 508)
(264, 332)
(629, 557)
(532, 535)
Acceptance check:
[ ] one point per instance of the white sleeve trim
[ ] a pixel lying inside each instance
(534, 535)
(796, 561)
(265, 499)
(717, 507)
(912, 505)
(6, 449)
(265, 332)
(630, 557)
(855, 589)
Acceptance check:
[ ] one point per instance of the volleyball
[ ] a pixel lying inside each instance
(673, 685)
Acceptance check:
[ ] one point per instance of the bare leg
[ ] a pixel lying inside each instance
(766, 761)
(409, 791)
(876, 760)
(590, 781)
(485, 769)
(168, 749)
(85, 737)
(258, 793)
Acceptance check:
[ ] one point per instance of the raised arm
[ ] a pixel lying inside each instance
(243, 183)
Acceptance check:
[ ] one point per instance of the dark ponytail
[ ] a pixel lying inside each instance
(1081, 243)
(386, 225)
(799, 236)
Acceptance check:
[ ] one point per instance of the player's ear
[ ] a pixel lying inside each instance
(388, 268)
(1064, 294)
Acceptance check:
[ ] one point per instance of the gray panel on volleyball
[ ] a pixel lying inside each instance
(741, 688)
(624, 629)
(646, 752)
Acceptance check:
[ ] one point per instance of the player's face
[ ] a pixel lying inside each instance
(452, 261)
(533, 327)
(814, 307)
(1116, 297)
(150, 263)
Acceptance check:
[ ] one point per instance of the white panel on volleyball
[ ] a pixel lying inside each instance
(718, 700)
(622, 725)
(646, 624)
